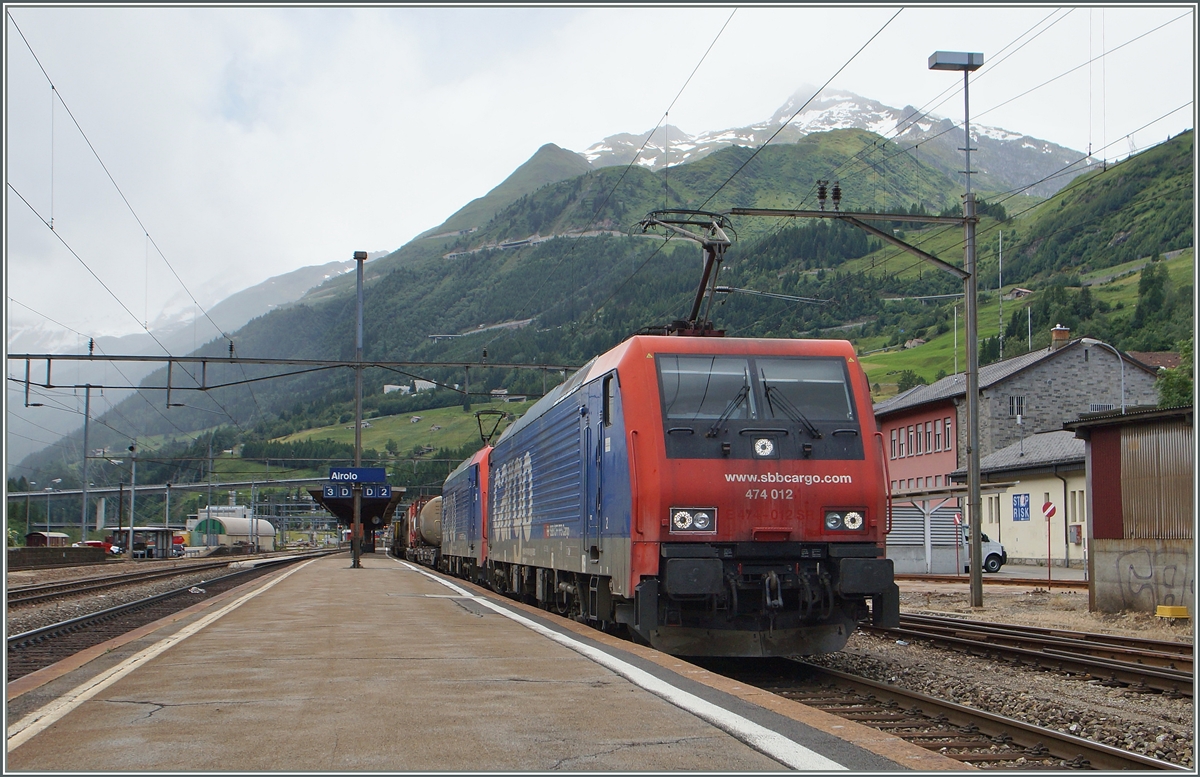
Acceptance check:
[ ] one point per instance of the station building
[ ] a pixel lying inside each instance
(925, 432)
(1041, 474)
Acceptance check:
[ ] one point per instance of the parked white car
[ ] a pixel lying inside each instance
(994, 555)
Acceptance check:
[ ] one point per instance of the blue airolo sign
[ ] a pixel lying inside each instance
(358, 475)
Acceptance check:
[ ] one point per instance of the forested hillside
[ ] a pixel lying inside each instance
(1091, 255)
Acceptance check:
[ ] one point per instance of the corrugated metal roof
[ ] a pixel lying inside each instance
(1038, 450)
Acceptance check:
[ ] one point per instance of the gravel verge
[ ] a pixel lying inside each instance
(1145, 723)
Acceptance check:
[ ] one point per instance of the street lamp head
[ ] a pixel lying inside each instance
(955, 60)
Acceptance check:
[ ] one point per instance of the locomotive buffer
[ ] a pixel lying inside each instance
(377, 502)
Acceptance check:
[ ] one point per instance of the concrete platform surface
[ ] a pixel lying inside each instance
(327, 668)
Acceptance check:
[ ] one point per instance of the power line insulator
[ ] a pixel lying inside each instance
(837, 196)
(821, 192)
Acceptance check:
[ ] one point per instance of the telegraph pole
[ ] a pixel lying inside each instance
(355, 534)
(87, 413)
(132, 495)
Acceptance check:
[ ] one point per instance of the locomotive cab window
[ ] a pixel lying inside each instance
(815, 387)
(706, 387)
(758, 407)
(610, 394)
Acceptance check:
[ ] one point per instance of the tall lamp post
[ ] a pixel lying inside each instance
(1090, 341)
(355, 540)
(967, 62)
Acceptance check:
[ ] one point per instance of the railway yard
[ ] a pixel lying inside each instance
(1121, 682)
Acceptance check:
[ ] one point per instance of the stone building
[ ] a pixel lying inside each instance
(925, 428)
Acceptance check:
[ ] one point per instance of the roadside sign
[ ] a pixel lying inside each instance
(358, 474)
(1048, 510)
(1020, 507)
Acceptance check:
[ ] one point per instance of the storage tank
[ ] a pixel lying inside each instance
(429, 522)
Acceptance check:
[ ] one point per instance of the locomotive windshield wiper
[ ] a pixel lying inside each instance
(733, 405)
(790, 410)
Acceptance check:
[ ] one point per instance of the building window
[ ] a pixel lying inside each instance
(1016, 405)
(912, 451)
(949, 436)
(928, 437)
(937, 435)
(937, 481)
(902, 448)
(893, 443)
(920, 448)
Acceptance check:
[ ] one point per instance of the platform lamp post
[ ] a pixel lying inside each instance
(967, 62)
(355, 542)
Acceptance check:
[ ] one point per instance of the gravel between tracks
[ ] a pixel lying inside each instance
(1145, 723)
(27, 617)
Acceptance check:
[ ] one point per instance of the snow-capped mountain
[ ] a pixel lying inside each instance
(1004, 161)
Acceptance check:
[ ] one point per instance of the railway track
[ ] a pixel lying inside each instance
(1028, 582)
(39, 648)
(28, 594)
(975, 737)
(1139, 664)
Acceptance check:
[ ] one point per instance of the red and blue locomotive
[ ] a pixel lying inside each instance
(714, 496)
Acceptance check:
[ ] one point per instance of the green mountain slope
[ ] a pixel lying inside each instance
(550, 164)
(566, 299)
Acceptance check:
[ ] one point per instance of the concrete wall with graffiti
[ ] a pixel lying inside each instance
(1141, 575)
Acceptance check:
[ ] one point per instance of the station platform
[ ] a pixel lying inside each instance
(326, 668)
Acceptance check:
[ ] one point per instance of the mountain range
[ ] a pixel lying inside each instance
(1005, 161)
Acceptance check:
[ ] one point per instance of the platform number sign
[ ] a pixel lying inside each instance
(340, 491)
(1020, 507)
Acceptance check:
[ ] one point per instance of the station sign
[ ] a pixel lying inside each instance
(373, 491)
(358, 474)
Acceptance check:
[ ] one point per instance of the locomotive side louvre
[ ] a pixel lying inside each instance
(558, 484)
(464, 516)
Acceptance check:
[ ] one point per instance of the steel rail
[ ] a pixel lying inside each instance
(1137, 676)
(1083, 752)
(35, 593)
(1153, 652)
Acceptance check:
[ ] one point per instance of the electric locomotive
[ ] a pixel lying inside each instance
(714, 496)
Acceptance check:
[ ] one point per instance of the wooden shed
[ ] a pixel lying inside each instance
(1140, 473)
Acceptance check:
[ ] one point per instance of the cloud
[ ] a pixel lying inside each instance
(252, 141)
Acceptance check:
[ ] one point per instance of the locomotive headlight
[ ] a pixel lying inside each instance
(764, 446)
(853, 520)
(693, 520)
(833, 521)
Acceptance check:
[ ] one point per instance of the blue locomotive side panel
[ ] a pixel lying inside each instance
(461, 528)
(537, 484)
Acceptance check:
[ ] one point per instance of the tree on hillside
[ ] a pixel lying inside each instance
(1175, 386)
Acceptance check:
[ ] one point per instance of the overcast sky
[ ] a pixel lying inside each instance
(254, 141)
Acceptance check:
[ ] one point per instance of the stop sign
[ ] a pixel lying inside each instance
(1048, 510)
